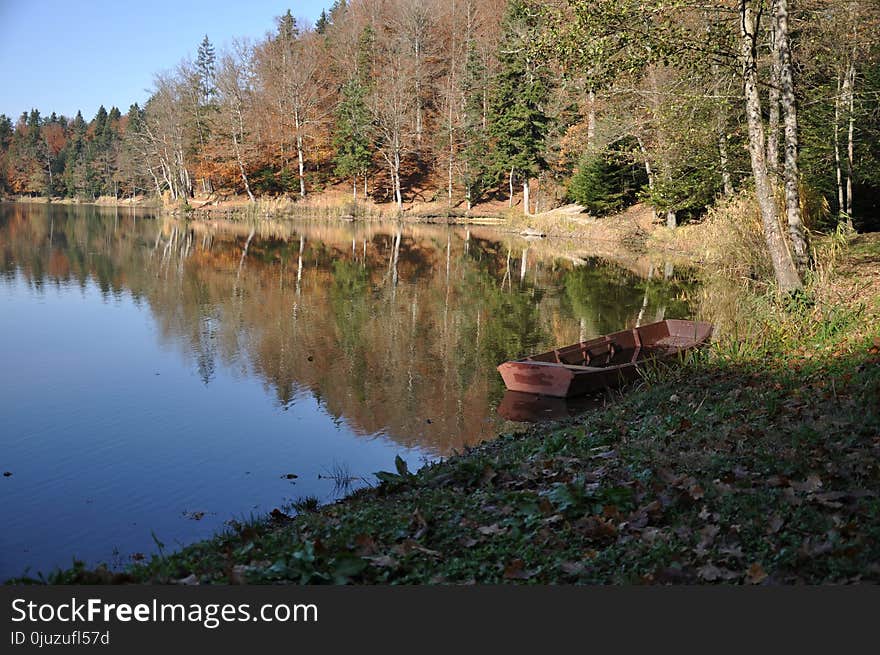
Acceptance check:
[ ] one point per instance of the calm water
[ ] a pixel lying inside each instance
(161, 378)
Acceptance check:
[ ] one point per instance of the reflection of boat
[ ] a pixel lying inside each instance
(532, 408)
(606, 361)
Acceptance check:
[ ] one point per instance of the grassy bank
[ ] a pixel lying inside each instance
(755, 462)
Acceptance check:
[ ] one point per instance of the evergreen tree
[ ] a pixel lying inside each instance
(322, 22)
(518, 122)
(287, 28)
(607, 181)
(5, 141)
(75, 174)
(205, 69)
(475, 170)
(352, 136)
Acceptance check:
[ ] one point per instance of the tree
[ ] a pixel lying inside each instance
(787, 277)
(351, 140)
(392, 104)
(205, 66)
(518, 123)
(235, 92)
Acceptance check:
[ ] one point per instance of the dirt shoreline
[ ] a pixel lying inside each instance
(636, 230)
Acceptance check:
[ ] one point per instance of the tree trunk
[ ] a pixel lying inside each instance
(773, 94)
(510, 187)
(591, 117)
(238, 157)
(299, 155)
(849, 143)
(671, 219)
(783, 266)
(724, 161)
(649, 172)
(721, 127)
(796, 230)
(301, 165)
(398, 196)
(527, 202)
(841, 202)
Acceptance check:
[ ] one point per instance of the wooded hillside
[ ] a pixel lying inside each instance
(597, 102)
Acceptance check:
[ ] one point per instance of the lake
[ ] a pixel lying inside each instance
(161, 377)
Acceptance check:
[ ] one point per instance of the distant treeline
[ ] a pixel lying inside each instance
(600, 102)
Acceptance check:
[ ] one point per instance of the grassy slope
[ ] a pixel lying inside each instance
(756, 462)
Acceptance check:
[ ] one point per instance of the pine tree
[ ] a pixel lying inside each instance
(352, 136)
(322, 22)
(5, 141)
(473, 128)
(518, 122)
(287, 27)
(205, 68)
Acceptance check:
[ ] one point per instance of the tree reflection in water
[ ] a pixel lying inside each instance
(399, 336)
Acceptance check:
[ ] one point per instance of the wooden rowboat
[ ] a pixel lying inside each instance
(606, 361)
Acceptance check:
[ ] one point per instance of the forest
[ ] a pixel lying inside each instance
(600, 103)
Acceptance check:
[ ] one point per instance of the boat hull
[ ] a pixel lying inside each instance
(605, 362)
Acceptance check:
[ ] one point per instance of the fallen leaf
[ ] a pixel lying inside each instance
(812, 484)
(515, 571)
(366, 544)
(572, 568)
(756, 574)
(775, 524)
(493, 529)
(382, 561)
(410, 545)
(191, 580)
(709, 573)
(831, 499)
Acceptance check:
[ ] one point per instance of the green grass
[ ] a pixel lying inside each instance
(754, 462)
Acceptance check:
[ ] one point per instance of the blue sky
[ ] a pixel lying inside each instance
(71, 55)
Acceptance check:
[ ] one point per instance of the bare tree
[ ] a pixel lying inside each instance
(796, 230)
(783, 266)
(235, 91)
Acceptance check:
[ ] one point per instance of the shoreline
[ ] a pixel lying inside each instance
(633, 231)
(752, 463)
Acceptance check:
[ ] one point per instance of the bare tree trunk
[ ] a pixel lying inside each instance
(724, 161)
(796, 230)
(591, 117)
(773, 95)
(238, 157)
(510, 187)
(527, 202)
(849, 143)
(841, 202)
(783, 266)
(721, 126)
(648, 171)
(398, 195)
(299, 154)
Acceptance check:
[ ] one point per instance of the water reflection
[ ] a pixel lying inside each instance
(531, 408)
(368, 333)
